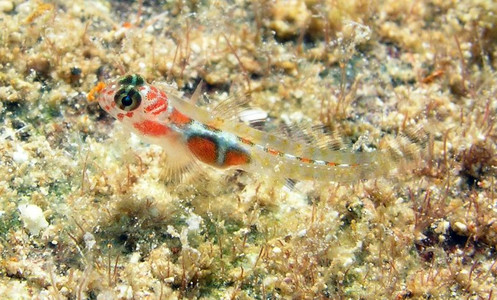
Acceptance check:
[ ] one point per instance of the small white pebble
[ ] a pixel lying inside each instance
(44, 190)
(460, 227)
(89, 240)
(348, 261)
(302, 233)
(33, 218)
(193, 222)
(135, 258)
(195, 48)
(270, 281)
(106, 295)
(6, 6)
(20, 155)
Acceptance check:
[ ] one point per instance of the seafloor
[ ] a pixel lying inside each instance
(89, 212)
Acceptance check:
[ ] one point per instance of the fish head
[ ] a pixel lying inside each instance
(131, 100)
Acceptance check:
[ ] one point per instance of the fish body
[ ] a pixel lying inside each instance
(188, 132)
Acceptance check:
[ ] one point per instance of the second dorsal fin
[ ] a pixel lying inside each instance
(319, 136)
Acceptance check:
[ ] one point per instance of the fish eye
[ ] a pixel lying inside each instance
(127, 99)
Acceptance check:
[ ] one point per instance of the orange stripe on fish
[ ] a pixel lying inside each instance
(178, 118)
(158, 103)
(151, 128)
(246, 141)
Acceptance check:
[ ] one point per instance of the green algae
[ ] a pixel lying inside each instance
(9, 221)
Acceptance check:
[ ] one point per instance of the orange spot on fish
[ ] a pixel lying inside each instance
(151, 128)
(332, 164)
(305, 160)
(274, 152)
(236, 158)
(204, 149)
(246, 141)
(178, 118)
(211, 128)
(121, 116)
(152, 95)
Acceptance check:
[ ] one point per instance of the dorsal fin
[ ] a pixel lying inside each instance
(194, 99)
(319, 136)
(237, 109)
(231, 107)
